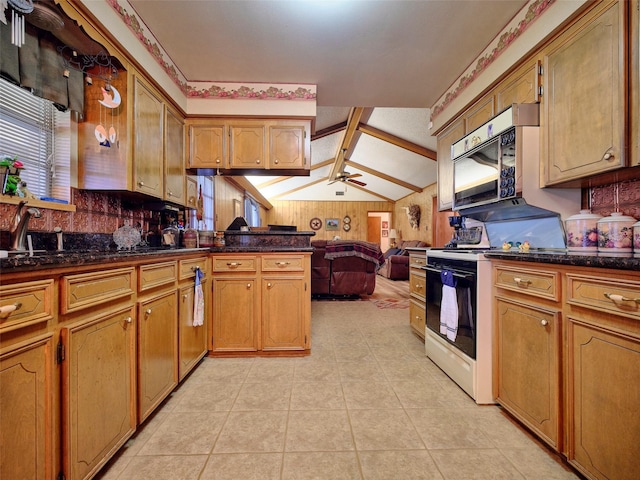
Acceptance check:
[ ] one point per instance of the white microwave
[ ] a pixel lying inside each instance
(486, 163)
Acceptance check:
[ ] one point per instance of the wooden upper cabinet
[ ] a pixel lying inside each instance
(583, 101)
(523, 86)
(480, 113)
(208, 145)
(248, 145)
(174, 174)
(635, 84)
(287, 146)
(148, 127)
(448, 137)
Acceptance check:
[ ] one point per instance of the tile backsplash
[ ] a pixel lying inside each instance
(621, 196)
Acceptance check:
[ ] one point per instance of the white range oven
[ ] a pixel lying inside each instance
(458, 337)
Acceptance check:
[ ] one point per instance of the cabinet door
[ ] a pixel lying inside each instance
(417, 317)
(528, 366)
(479, 114)
(148, 123)
(523, 86)
(193, 339)
(99, 385)
(236, 311)
(583, 99)
(208, 145)
(26, 410)
(157, 350)
(635, 83)
(448, 137)
(285, 319)
(287, 147)
(174, 176)
(603, 425)
(248, 145)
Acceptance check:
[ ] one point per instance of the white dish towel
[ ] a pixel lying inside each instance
(198, 300)
(448, 306)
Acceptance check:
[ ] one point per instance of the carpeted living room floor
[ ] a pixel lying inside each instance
(365, 405)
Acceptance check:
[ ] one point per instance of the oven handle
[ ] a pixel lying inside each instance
(455, 274)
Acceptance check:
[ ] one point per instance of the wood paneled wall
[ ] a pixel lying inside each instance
(401, 222)
(301, 213)
(224, 194)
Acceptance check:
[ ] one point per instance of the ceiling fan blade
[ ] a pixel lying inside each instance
(357, 182)
(354, 175)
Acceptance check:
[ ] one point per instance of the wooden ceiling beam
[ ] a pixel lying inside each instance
(325, 132)
(397, 141)
(355, 115)
(383, 176)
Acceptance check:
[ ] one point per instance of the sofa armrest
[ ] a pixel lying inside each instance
(401, 259)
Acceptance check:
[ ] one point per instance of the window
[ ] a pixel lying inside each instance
(35, 131)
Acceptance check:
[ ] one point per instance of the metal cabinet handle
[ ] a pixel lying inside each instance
(607, 156)
(141, 183)
(185, 296)
(197, 267)
(248, 285)
(269, 285)
(148, 312)
(283, 264)
(234, 264)
(128, 319)
(258, 161)
(519, 281)
(418, 285)
(619, 298)
(544, 323)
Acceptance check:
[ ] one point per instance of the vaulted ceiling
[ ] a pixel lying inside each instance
(378, 66)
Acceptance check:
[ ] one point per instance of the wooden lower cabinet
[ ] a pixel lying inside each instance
(26, 409)
(284, 319)
(192, 338)
(603, 395)
(99, 390)
(528, 365)
(261, 303)
(157, 350)
(417, 293)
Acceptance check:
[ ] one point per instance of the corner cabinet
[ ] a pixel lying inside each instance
(261, 304)
(250, 144)
(584, 97)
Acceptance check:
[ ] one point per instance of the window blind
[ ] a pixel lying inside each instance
(38, 134)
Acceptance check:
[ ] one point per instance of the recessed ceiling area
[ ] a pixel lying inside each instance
(395, 57)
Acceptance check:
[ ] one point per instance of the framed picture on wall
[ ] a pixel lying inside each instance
(332, 224)
(385, 225)
(385, 233)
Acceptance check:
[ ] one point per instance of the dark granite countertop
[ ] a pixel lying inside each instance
(260, 249)
(578, 259)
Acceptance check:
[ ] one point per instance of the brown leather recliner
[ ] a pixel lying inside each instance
(342, 276)
(396, 265)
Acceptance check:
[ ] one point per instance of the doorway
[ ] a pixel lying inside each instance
(378, 228)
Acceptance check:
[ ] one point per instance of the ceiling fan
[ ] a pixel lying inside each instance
(348, 177)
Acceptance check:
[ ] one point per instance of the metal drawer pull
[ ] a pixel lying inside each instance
(234, 264)
(193, 269)
(620, 298)
(418, 285)
(519, 281)
(6, 310)
(544, 323)
(283, 264)
(148, 312)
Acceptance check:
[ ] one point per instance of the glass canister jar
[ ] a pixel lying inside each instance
(615, 233)
(582, 231)
(190, 238)
(218, 240)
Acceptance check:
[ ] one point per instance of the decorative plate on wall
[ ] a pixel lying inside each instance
(315, 223)
(346, 227)
(346, 219)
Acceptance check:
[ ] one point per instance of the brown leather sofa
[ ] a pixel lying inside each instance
(344, 268)
(396, 265)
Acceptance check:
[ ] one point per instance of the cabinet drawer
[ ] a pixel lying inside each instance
(283, 263)
(33, 302)
(234, 264)
(530, 282)
(156, 275)
(187, 267)
(417, 260)
(90, 289)
(417, 284)
(417, 317)
(610, 295)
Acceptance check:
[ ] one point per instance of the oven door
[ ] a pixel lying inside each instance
(465, 293)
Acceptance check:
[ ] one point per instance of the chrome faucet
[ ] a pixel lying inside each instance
(18, 229)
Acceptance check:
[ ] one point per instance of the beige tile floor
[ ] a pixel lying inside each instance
(366, 404)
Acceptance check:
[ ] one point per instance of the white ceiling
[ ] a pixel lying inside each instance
(398, 56)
